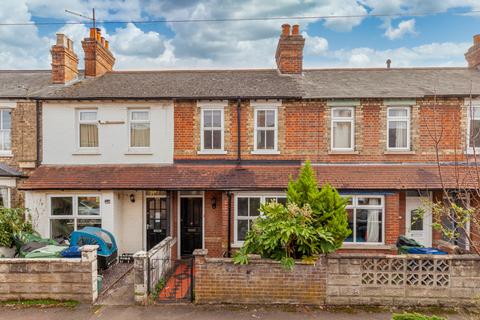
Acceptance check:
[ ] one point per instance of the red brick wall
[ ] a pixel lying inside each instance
(259, 282)
(304, 131)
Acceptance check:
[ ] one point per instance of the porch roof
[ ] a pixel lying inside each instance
(246, 177)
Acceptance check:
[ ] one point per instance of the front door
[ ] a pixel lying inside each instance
(157, 220)
(191, 211)
(418, 226)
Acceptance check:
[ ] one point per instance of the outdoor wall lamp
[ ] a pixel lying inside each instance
(214, 203)
(132, 198)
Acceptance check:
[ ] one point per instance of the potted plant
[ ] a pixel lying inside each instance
(12, 221)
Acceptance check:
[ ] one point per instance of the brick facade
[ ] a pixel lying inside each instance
(304, 131)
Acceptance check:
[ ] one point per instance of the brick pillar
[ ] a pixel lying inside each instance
(89, 256)
(140, 277)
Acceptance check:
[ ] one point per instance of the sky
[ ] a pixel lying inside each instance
(409, 39)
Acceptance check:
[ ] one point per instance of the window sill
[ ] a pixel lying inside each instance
(333, 152)
(236, 245)
(140, 151)
(7, 154)
(266, 152)
(211, 152)
(80, 152)
(366, 246)
(398, 152)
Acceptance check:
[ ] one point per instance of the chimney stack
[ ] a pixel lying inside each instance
(289, 55)
(98, 58)
(64, 60)
(473, 54)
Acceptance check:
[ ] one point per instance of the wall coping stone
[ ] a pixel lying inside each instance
(404, 256)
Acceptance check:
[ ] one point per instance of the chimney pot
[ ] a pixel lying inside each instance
(285, 29)
(106, 44)
(93, 33)
(102, 41)
(61, 40)
(99, 34)
(476, 39)
(295, 30)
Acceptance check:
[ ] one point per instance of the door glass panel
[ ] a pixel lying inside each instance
(416, 220)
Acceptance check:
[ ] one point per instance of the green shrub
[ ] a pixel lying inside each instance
(12, 221)
(313, 222)
(415, 316)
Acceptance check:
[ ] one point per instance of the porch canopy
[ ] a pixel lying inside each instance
(248, 177)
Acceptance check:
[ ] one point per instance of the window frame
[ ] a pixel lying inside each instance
(131, 121)
(334, 120)
(74, 216)
(406, 118)
(222, 130)
(274, 129)
(236, 217)
(356, 206)
(8, 109)
(471, 112)
(80, 121)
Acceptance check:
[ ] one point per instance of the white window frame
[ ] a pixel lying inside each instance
(130, 122)
(74, 216)
(470, 113)
(80, 121)
(274, 129)
(406, 118)
(221, 128)
(262, 197)
(356, 206)
(334, 120)
(6, 152)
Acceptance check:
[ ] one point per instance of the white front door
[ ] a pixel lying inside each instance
(418, 227)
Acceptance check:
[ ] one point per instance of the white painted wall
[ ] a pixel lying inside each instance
(119, 215)
(60, 133)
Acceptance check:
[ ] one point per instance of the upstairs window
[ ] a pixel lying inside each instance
(473, 129)
(139, 128)
(343, 128)
(5, 129)
(266, 129)
(212, 130)
(88, 128)
(398, 128)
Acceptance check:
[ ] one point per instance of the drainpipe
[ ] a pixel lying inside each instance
(229, 224)
(239, 145)
(37, 111)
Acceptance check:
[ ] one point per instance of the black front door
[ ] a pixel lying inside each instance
(157, 220)
(191, 224)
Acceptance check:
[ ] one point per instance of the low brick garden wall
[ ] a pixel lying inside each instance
(218, 280)
(342, 279)
(59, 279)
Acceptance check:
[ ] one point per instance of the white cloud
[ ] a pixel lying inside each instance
(131, 41)
(445, 54)
(315, 45)
(403, 28)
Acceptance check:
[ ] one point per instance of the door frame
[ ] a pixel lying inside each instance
(179, 229)
(408, 218)
(144, 218)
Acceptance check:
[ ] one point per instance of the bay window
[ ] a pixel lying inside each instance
(366, 219)
(88, 128)
(342, 128)
(69, 213)
(398, 128)
(247, 209)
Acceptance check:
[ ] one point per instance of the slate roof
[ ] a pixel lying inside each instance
(321, 83)
(22, 83)
(253, 84)
(245, 177)
(7, 171)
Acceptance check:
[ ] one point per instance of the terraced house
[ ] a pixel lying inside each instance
(193, 153)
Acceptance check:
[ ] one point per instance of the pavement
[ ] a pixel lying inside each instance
(204, 312)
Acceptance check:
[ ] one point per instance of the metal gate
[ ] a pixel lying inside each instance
(173, 286)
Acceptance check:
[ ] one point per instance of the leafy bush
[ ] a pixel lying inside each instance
(12, 221)
(313, 222)
(415, 316)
